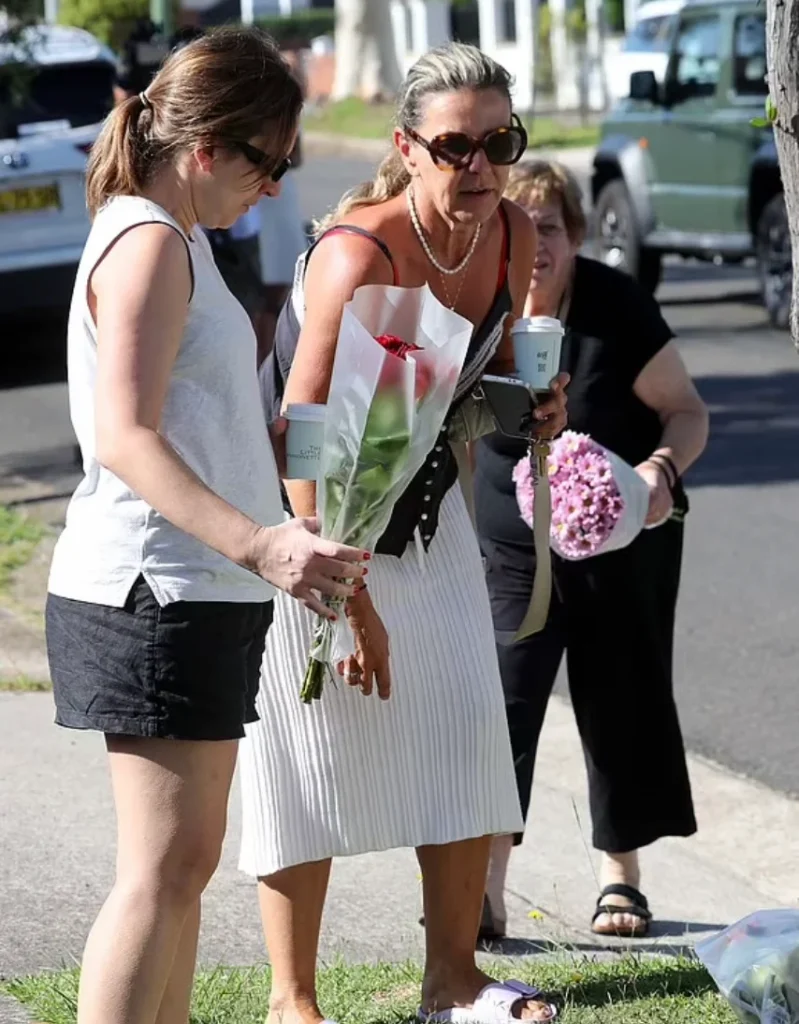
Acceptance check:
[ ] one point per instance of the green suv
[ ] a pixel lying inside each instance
(681, 168)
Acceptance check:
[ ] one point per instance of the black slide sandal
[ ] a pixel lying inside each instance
(639, 908)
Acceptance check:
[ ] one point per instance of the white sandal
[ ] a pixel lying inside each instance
(494, 1005)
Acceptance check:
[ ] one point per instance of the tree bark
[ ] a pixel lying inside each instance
(366, 58)
(782, 40)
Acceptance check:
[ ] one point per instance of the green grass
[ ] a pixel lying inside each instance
(24, 684)
(627, 990)
(374, 120)
(18, 539)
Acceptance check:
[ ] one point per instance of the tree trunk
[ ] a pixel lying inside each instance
(782, 35)
(351, 30)
(366, 59)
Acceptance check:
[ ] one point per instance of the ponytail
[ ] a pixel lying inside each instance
(230, 85)
(122, 158)
(390, 180)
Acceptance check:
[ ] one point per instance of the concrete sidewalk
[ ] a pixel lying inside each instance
(57, 855)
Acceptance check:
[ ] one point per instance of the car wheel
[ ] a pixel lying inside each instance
(617, 239)
(774, 264)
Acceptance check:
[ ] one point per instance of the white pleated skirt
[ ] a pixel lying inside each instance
(351, 774)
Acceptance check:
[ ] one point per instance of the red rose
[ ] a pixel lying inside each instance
(397, 347)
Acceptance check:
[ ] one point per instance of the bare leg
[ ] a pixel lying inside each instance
(292, 903)
(171, 802)
(454, 884)
(176, 1001)
(619, 868)
(501, 849)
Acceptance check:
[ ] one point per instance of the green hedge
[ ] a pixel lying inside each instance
(301, 27)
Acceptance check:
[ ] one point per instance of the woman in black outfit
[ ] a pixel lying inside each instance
(612, 613)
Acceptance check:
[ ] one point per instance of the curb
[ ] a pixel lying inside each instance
(328, 144)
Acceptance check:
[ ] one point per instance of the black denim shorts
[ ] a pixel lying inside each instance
(187, 671)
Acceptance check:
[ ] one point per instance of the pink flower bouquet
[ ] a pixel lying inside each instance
(599, 502)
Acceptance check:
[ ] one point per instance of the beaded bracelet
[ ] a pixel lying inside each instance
(667, 468)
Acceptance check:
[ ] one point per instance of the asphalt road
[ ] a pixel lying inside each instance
(738, 645)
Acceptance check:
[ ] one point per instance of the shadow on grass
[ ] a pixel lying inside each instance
(690, 979)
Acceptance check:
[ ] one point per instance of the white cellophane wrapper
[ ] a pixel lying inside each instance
(635, 495)
(359, 482)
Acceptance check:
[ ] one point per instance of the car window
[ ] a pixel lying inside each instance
(650, 35)
(697, 66)
(749, 55)
(61, 95)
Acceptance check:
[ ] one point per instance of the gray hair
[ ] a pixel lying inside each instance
(448, 68)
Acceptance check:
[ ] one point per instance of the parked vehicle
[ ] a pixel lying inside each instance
(646, 46)
(56, 86)
(681, 168)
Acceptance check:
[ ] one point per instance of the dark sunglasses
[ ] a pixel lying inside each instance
(453, 151)
(258, 158)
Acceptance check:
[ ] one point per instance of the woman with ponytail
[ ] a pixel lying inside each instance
(428, 765)
(162, 581)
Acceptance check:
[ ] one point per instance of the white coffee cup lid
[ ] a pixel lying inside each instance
(529, 324)
(306, 411)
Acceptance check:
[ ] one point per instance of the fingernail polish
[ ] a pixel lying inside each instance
(366, 556)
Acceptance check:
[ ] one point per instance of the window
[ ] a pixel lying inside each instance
(507, 21)
(696, 62)
(650, 35)
(77, 94)
(749, 56)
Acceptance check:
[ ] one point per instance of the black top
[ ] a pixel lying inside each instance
(420, 504)
(613, 329)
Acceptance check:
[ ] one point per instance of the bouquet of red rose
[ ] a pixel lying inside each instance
(398, 358)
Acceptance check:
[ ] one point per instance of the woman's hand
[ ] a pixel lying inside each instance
(295, 559)
(371, 659)
(552, 414)
(660, 500)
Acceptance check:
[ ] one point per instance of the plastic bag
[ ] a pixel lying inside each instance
(755, 964)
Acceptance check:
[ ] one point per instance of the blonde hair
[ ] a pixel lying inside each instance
(443, 69)
(223, 88)
(544, 181)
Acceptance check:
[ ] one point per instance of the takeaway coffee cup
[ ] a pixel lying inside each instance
(536, 346)
(306, 427)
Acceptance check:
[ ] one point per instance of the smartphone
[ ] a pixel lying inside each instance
(511, 403)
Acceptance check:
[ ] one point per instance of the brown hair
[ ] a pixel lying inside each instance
(446, 68)
(544, 181)
(225, 87)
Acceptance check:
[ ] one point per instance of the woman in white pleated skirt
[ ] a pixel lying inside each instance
(429, 766)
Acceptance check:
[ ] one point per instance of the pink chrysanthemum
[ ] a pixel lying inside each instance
(586, 501)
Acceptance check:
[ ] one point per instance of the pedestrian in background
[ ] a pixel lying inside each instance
(612, 615)
(161, 585)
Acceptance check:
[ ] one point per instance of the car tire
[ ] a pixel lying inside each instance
(617, 237)
(774, 263)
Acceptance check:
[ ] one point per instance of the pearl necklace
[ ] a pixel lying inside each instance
(428, 251)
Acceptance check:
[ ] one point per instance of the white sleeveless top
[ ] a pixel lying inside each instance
(212, 417)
